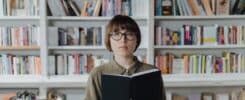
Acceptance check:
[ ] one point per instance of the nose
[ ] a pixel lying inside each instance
(124, 37)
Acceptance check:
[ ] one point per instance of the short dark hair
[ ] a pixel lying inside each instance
(121, 22)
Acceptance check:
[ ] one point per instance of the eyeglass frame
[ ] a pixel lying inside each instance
(125, 34)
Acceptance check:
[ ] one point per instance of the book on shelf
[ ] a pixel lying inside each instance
(146, 85)
(166, 7)
(97, 8)
(124, 7)
(207, 96)
(222, 7)
(238, 7)
(194, 7)
(74, 7)
(186, 8)
(229, 62)
(207, 7)
(62, 36)
(74, 64)
(178, 66)
(233, 94)
(19, 65)
(179, 97)
(68, 9)
(198, 7)
(56, 7)
(211, 35)
(18, 36)
(158, 7)
(222, 96)
(19, 7)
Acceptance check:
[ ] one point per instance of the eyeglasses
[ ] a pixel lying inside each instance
(118, 35)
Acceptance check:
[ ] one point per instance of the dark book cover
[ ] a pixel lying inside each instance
(90, 34)
(145, 85)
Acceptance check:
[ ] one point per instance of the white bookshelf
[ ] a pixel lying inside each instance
(21, 81)
(19, 20)
(201, 47)
(77, 48)
(204, 80)
(67, 81)
(170, 81)
(16, 83)
(20, 48)
(12, 18)
(92, 18)
(197, 83)
(224, 17)
(44, 82)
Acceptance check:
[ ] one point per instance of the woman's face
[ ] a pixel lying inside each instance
(123, 43)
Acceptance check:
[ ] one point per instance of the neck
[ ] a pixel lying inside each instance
(125, 61)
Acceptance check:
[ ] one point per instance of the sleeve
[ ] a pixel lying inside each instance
(163, 91)
(163, 87)
(93, 89)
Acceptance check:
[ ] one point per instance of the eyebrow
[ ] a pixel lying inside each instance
(123, 32)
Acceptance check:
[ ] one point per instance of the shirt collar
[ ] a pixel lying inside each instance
(120, 69)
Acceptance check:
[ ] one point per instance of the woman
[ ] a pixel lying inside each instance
(122, 38)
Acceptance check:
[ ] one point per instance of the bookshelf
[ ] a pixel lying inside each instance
(204, 80)
(70, 81)
(20, 81)
(65, 83)
(196, 82)
(21, 47)
(146, 19)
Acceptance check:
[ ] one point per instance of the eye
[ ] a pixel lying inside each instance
(116, 33)
(130, 34)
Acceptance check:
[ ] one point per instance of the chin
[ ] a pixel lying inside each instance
(124, 54)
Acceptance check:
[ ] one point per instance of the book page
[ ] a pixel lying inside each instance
(144, 72)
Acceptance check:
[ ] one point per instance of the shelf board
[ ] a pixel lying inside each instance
(20, 48)
(170, 81)
(76, 48)
(81, 48)
(9, 18)
(67, 81)
(204, 80)
(20, 81)
(200, 47)
(199, 17)
(76, 18)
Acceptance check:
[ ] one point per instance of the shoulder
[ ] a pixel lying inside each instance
(99, 69)
(145, 66)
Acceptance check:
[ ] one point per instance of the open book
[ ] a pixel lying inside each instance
(146, 85)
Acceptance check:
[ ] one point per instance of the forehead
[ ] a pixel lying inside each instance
(121, 31)
(121, 28)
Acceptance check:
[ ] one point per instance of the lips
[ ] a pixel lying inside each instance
(123, 47)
